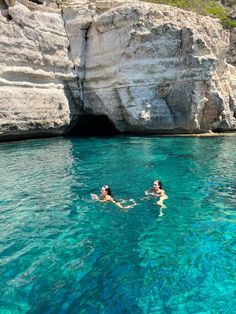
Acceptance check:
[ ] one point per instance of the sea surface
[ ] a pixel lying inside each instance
(62, 252)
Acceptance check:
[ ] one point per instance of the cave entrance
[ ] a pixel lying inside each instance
(90, 124)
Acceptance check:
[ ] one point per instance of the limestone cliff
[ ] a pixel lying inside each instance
(34, 71)
(149, 68)
(232, 47)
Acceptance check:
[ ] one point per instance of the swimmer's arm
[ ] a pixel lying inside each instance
(109, 199)
(119, 204)
(94, 196)
(98, 198)
(116, 203)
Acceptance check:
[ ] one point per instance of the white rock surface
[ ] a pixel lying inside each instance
(152, 68)
(149, 68)
(34, 69)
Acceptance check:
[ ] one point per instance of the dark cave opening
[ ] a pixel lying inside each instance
(90, 124)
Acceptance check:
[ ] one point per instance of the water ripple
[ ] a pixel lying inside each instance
(61, 252)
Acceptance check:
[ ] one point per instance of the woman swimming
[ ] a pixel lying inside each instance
(157, 191)
(106, 196)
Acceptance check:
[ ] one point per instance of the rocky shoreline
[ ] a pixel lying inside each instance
(148, 68)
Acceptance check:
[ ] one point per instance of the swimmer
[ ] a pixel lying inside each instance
(106, 196)
(157, 191)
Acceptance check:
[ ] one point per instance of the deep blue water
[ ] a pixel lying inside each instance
(61, 252)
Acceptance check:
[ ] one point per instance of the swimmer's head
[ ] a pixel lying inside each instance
(105, 190)
(157, 184)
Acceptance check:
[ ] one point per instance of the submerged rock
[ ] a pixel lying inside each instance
(148, 68)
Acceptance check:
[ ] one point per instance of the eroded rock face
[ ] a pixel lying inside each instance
(159, 69)
(149, 68)
(232, 47)
(33, 74)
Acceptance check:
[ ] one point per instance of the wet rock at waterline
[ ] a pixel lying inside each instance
(148, 68)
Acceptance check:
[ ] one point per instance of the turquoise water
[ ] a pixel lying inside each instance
(61, 252)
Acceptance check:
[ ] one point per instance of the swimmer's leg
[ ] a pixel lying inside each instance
(161, 212)
(129, 206)
(132, 205)
(160, 202)
(125, 208)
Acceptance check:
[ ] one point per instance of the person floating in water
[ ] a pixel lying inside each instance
(106, 196)
(157, 191)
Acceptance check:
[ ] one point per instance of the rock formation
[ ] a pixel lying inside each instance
(148, 68)
(232, 48)
(34, 72)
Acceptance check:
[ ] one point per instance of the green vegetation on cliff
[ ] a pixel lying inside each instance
(218, 9)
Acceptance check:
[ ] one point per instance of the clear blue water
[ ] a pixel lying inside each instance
(61, 252)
